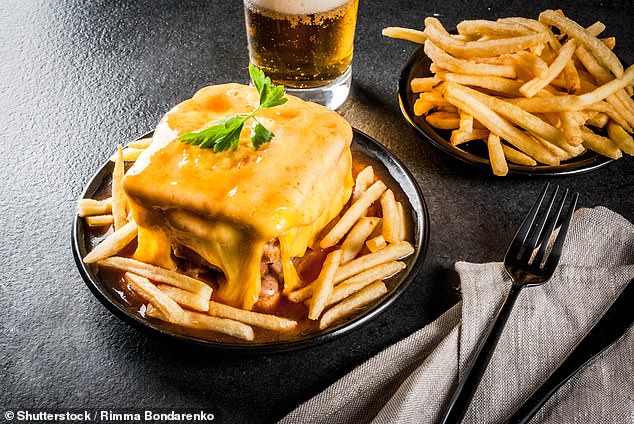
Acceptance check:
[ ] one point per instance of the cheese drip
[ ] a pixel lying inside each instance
(225, 206)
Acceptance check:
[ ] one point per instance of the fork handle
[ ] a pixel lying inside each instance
(475, 369)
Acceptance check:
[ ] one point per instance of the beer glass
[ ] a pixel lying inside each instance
(305, 45)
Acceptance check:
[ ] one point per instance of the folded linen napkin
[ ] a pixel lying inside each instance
(413, 380)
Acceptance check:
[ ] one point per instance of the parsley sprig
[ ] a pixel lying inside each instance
(225, 134)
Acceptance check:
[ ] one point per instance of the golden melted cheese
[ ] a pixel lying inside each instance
(226, 206)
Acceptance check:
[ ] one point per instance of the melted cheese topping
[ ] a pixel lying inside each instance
(226, 206)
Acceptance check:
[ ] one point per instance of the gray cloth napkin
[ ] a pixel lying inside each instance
(412, 381)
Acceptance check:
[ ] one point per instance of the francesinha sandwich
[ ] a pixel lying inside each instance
(246, 212)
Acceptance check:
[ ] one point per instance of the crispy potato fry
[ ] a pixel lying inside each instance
(482, 27)
(498, 125)
(256, 319)
(88, 207)
(571, 127)
(113, 243)
(359, 281)
(130, 154)
(354, 212)
(391, 219)
(119, 211)
(402, 221)
(322, 287)
(610, 110)
(590, 42)
(601, 145)
(353, 303)
(459, 137)
(575, 102)
(390, 253)
(353, 243)
(205, 322)
(159, 275)
(596, 28)
(185, 298)
(621, 138)
(99, 220)
(515, 114)
(365, 179)
(461, 66)
(142, 143)
(600, 120)
(518, 157)
(408, 34)
(610, 42)
(536, 84)
(496, 155)
(420, 85)
(443, 120)
(466, 122)
(161, 301)
(421, 107)
(357, 266)
(376, 243)
(534, 63)
(435, 32)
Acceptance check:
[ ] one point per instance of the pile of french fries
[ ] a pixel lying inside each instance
(347, 281)
(536, 91)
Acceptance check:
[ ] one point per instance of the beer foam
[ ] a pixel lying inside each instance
(297, 7)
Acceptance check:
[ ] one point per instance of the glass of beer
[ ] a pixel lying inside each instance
(306, 45)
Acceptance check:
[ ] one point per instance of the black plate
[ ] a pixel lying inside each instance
(473, 153)
(361, 145)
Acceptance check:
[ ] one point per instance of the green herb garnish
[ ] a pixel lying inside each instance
(225, 134)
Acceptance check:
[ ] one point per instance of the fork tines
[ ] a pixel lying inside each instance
(538, 227)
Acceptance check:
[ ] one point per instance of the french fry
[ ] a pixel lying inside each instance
(498, 125)
(113, 243)
(601, 145)
(621, 138)
(408, 34)
(390, 253)
(482, 27)
(459, 137)
(600, 120)
(322, 287)
(420, 85)
(88, 207)
(359, 281)
(504, 86)
(443, 120)
(518, 157)
(142, 143)
(460, 66)
(256, 319)
(436, 33)
(185, 298)
(536, 84)
(118, 195)
(402, 221)
(496, 156)
(357, 266)
(99, 220)
(205, 322)
(350, 217)
(610, 42)
(157, 274)
(391, 225)
(130, 154)
(466, 122)
(590, 42)
(421, 107)
(365, 179)
(376, 243)
(161, 301)
(353, 243)
(575, 102)
(571, 127)
(353, 303)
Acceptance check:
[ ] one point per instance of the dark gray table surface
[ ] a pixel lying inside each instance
(79, 77)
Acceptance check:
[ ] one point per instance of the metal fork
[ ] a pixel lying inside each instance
(530, 260)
